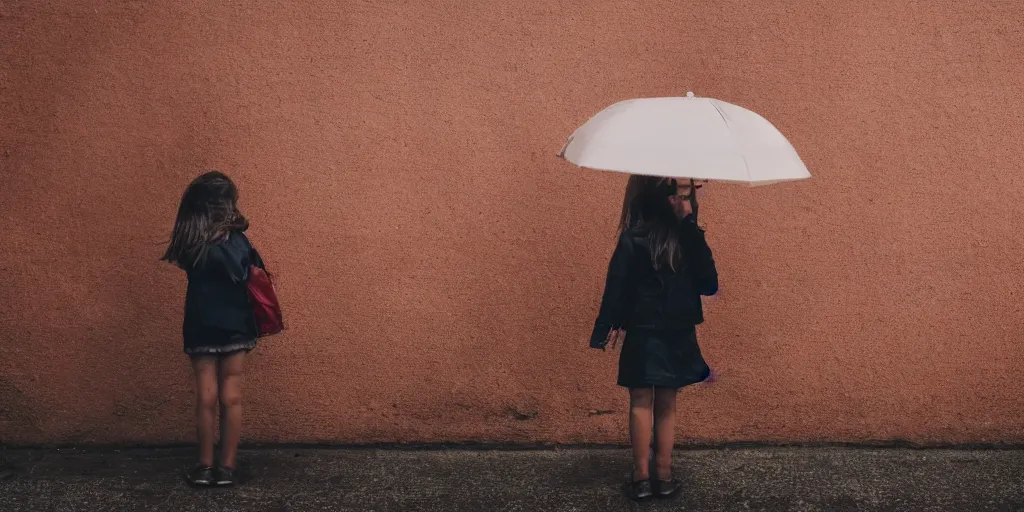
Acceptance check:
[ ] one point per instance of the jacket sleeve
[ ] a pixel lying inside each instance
(222, 259)
(616, 301)
(701, 263)
(254, 256)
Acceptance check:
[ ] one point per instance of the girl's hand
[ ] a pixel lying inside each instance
(712, 378)
(615, 336)
(684, 203)
(682, 206)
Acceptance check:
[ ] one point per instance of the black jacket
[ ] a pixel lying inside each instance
(217, 309)
(636, 296)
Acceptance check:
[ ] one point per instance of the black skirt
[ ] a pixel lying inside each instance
(661, 359)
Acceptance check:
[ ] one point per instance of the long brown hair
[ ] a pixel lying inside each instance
(208, 212)
(646, 209)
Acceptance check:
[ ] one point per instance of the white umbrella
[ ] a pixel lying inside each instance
(695, 138)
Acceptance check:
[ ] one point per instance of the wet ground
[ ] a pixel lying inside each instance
(312, 479)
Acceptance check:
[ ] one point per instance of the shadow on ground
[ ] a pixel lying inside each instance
(799, 479)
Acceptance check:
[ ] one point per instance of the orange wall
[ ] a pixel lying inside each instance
(441, 268)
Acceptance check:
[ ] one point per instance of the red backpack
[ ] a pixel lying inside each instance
(263, 299)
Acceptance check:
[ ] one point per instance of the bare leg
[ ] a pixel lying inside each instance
(664, 431)
(640, 421)
(230, 376)
(205, 370)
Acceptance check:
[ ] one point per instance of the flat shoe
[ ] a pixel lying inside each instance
(200, 476)
(666, 489)
(226, 476)
(640, 490)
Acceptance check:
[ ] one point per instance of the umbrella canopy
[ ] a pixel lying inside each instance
(695, 138)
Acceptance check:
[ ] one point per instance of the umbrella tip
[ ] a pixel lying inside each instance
(689, 94)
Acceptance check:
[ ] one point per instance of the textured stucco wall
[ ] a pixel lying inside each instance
(441, 268)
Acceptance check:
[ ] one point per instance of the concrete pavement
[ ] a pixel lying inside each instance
(586, 479)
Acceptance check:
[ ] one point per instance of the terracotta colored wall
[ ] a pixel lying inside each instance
(441, 268)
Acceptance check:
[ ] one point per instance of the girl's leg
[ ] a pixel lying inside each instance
(230, 376)
(640, 420)
(664, 431)
(205, 370)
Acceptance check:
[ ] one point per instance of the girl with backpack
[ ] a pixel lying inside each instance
(209, 243)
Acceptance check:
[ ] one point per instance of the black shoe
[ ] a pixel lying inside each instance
(226, 476)
(201, 476)
(640, 490)
(666, 489)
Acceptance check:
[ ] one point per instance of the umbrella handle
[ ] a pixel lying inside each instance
(693, 200)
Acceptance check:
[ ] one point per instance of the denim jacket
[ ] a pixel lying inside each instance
(217, 300)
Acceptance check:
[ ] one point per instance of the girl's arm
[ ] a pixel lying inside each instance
(615, 302)
(254, 256)
(226, 261)
(701, 263)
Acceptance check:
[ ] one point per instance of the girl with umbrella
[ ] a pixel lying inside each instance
(661, 267)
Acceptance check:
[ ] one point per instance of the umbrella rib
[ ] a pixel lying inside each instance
(733, 134)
